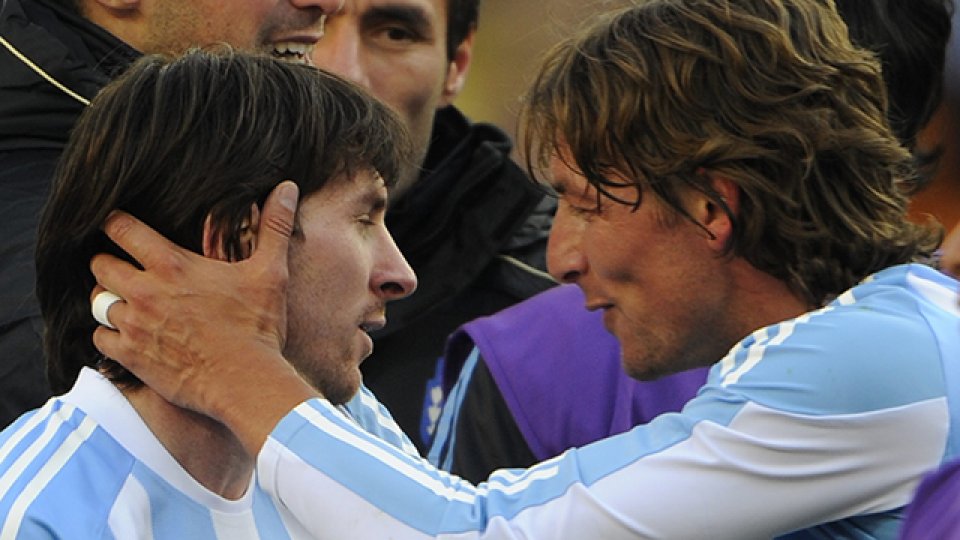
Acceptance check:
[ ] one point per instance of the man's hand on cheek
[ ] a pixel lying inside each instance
(205, 334)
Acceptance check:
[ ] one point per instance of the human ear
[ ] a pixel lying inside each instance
(215, 238)
(457, 70)
(717, 214)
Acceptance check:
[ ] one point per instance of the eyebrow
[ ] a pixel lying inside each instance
(374, 196)
(414, 16)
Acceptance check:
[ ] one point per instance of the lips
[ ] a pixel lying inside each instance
(597, 304)
(372, 324)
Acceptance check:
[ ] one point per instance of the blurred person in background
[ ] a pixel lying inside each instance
(55, 55)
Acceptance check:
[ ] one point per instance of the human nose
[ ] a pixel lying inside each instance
(565, 259)
(392, 277)
(340, 51)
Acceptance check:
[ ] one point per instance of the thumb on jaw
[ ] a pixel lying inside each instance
(276, 223)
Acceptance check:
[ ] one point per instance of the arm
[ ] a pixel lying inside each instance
(803, 424)
(709, 481)
(199, 330)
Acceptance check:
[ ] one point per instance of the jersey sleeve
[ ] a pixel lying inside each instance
(373, 417)
(801, 425)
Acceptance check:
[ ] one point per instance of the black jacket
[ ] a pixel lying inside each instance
(474, 229)
(35, 122)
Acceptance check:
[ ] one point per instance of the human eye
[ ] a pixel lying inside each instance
(399, 25)
(374, 214)
(399, 33)
(582, 211)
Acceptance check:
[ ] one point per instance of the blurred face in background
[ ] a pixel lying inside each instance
(285, 28)
(397, 49)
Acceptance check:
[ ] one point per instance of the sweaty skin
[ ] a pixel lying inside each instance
(240, 379)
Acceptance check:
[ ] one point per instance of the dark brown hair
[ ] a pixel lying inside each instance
(175, 140)
(462, 18)
(910, 39)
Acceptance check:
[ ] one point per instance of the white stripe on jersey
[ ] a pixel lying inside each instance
(400, 465)
(234, 526)
(46, 473)
(23, 430)
(15, 470)
(785, 330)
(131, 516)
(387, 422)
(507, 482)
(941, 296)
(355, 518)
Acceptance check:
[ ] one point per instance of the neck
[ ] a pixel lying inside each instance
(206, 449)
(761, 299)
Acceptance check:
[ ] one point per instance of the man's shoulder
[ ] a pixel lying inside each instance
(853, 355)
(60, 472)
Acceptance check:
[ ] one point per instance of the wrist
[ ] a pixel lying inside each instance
(251, 402)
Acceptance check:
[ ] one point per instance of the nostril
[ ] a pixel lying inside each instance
(392, 288)
(570, 277)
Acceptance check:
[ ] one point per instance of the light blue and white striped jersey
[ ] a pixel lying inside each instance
(816, 427)
(85, 466)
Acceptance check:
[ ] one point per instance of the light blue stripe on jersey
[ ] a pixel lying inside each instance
(374, 418)
(172, 514)
(879, 337)
(900, 335)
(64, 475)
(341, 461)
(55, 466)
(940, 311)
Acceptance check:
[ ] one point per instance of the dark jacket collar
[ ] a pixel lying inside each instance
(83, 57)
(469, 203)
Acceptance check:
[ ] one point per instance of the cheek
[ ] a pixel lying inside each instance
(612, 251)
(411, 87)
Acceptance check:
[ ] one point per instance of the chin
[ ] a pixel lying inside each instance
(338, 385)
(644, 369)
(340, 394)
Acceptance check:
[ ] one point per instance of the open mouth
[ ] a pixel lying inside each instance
(293, 51)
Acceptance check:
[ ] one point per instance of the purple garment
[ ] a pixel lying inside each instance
(559, 372)
(935, 510)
